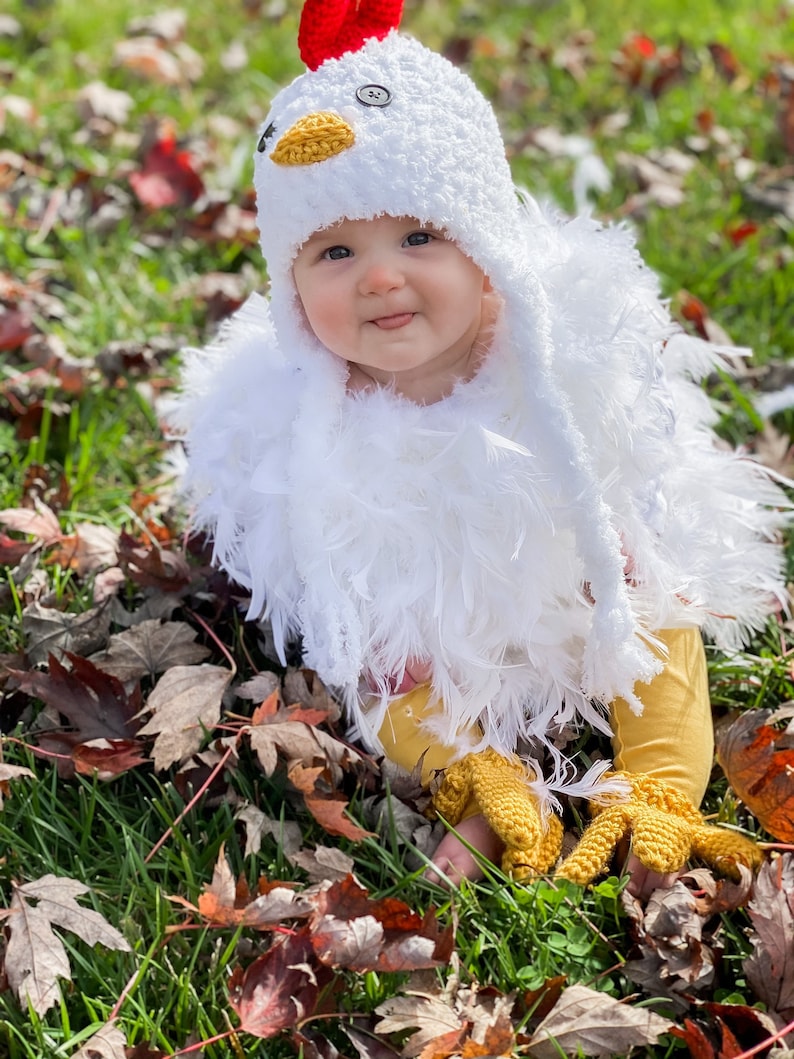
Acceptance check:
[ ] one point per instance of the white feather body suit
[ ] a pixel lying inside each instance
(526, 535)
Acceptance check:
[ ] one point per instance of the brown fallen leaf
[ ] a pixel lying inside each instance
(89, 549)
(185, 702)
(48, 630)
(287, 833)
(39, 521)
(280, 988)
(150, 648)
(761, 773)
(96, 704)
(8, 773)
(353, 931)
(107, 1043)
(323, 863)
(35, 956)
(327, 807)
(770, 968)
(586, 1022)
(430, 1017)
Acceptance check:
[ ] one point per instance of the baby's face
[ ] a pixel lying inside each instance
(394, 298)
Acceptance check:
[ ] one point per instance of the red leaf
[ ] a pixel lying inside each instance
(95, 703)
(119, 755)
(168, 176)
(279, 988)
(700, 1047)
(151, 566)
(15, 326)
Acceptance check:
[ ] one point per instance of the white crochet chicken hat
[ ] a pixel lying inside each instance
(379, 125)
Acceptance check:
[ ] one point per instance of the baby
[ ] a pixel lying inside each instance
(461, 453)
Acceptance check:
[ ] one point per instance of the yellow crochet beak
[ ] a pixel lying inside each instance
(313, 139)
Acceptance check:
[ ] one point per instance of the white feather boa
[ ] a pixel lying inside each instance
(578, 465)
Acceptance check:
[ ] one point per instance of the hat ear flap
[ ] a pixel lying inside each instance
(329, 28)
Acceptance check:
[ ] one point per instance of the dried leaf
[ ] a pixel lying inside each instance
(770, 968)
(39, 521)
(89, 549)
(280, 988)
(152, 566)
(323, 862)
(761, 774)
(350, 930)
(185, 702)
(107, 1043)
(150, 648)
(328, 809)
(11, 772)
(429, 1016)
(586, 1022)
(287, 833)
(95, 703)
(49, 631)
(35, 956)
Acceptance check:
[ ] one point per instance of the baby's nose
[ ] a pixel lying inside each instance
(381, 275)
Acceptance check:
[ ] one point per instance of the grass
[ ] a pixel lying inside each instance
(88, 454)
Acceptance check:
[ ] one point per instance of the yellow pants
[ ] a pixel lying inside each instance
(672, 740)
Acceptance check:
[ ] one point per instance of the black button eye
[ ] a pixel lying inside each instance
(373, 95)
(266, 135)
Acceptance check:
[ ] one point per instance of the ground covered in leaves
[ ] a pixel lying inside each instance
(193, 858)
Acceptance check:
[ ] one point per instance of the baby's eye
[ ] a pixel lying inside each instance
(336, 253)
(418, 238)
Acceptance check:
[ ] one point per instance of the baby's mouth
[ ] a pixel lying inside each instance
(391, 323)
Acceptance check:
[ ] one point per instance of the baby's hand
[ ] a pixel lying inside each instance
(643, 881)
(456, 861)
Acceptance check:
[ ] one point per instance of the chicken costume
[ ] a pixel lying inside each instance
(549, 538)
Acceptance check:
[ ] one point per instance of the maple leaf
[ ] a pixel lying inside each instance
(149, 648)
(350, 930)
(107, 1043)
(51, 631)
(287, 833)
(327, 808)
(35, 956)
(152, 566)
(184, 703)
(89, 549)
(586, 1022)
(429, 1016)
(226, 903)
(11, 772)
(279, 988)
(760, 773)
(770, 968)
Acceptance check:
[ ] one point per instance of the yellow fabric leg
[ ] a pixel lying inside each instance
(673, 739)
(405, 739)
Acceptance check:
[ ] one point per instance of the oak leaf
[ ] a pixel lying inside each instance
(586, 1022)
(35, 956)
(185, 702)
(761, 770)
(150, 648)
(770, 968)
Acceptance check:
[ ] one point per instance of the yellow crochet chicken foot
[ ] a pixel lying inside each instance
(666, 829)
(498, 787)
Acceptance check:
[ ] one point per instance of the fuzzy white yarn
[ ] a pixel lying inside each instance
(490, 532)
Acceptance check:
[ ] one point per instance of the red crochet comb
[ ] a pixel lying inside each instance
(329, 28)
